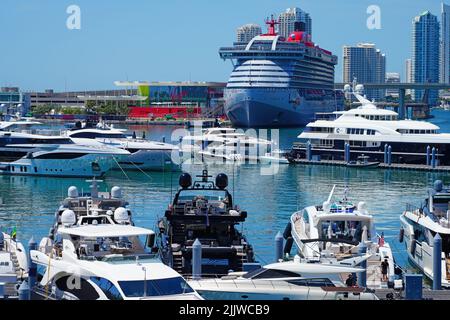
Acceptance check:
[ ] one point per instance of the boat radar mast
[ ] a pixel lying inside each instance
(271, 23)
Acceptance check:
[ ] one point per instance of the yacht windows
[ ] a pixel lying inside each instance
(264, 273)
(326, 143)
(416, 131)
(355, 143)
(93, 135)
(319, 129)
(83, 290)
(158, 287)
(108, 288)
(355, 131)
(318, 282)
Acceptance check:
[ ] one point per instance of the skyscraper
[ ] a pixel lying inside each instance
(445, 44)
(294, 19)
(425, 54)
(408, 73)
(367, 64)
(247, 32)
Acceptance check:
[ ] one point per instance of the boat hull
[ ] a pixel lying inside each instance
(148, 160)
(273, 107)
(85, 166)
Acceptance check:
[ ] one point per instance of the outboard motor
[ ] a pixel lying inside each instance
(185, 180)
(222, 181)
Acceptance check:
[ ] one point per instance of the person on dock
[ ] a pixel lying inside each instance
(384, 270)
(351, 280)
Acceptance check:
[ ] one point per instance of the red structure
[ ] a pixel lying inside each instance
(271, 23)
(160, 112)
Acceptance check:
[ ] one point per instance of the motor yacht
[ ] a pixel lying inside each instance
(419, 226)
(41, 155)
(204, 210)
(337, 230)
(224, 144)
(291, 280)
(144, 154)
(369, 130)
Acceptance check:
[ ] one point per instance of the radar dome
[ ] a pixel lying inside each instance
(362, 207)
(68, 218)
(222, 181)
(121, 215)
(347, 88)
(185, 180)
(359, 88)
(72, 192)
(116, 192)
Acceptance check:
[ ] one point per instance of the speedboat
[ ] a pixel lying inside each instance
(363, 162)
(41, 155)
(224, 144)
(276, 156)
(337, 230)
(204, 210)
(144, 154)
(291, 280)
(419, 226)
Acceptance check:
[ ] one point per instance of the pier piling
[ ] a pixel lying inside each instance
(197, 260)
(278, 247)
(437, 262)
(433, 157)
(308, 151)
(428, 155)
(385, 153)
(389, 155)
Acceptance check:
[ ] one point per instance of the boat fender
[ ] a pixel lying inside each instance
(412, 245)
(287, 231)
(288, 245)
(401, 235)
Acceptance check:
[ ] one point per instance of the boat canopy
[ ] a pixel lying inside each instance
(105, 231)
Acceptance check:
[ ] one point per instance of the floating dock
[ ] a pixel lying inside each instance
(393, 166)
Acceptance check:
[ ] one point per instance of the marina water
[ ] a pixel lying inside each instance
(29, 203)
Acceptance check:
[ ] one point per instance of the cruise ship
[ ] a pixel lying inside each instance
(279, 82)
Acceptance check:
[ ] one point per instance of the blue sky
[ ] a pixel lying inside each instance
(173, 39)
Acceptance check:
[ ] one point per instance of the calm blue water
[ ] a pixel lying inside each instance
(29, 203)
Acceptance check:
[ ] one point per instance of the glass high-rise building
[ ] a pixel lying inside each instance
(367, 64)
(294, 19)
(425, 54)
(247, 32)
(445, 44)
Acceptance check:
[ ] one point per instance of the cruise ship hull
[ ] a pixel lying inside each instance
(273, 107)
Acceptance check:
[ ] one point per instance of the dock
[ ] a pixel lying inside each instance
(427, 294)
(393, 166)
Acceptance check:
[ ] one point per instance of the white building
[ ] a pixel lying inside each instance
(294, 19)
(408, 74)
(392, 77)
(247, 32)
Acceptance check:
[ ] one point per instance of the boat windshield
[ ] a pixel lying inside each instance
(347, 230)
(218, 195)
(157, 287)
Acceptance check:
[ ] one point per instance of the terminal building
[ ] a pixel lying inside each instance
(177, 99)
(14, 102)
